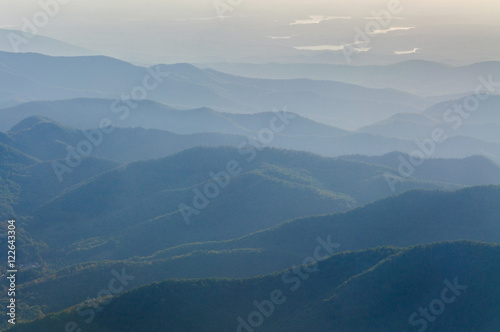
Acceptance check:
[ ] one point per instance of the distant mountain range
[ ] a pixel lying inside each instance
(177, 198)
(206, 127)
(418, 77)
(461, 171)
(461, 117)
(29, 77)
(45, 149)
(48, 140)
(88, 113)
(20, 41)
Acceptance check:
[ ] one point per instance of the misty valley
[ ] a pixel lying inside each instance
(278, 178)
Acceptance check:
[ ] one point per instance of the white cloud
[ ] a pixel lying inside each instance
(316, 19)
(332, 47)
(321, 48)
(392, 29)
(415, 50)
(202, 18)
(383, 18)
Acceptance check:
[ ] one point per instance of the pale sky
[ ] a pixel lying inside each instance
(152, 31)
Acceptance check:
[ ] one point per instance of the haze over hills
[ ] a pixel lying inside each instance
(151, 206)
(284, 165)
(348, 106)
(25, 42)
(279, 170)
(51, 142)
(88, 114)
(467, 116)
(207, 127)
(424, 78)
(461, 171)
(279, 174)
(48, 140)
